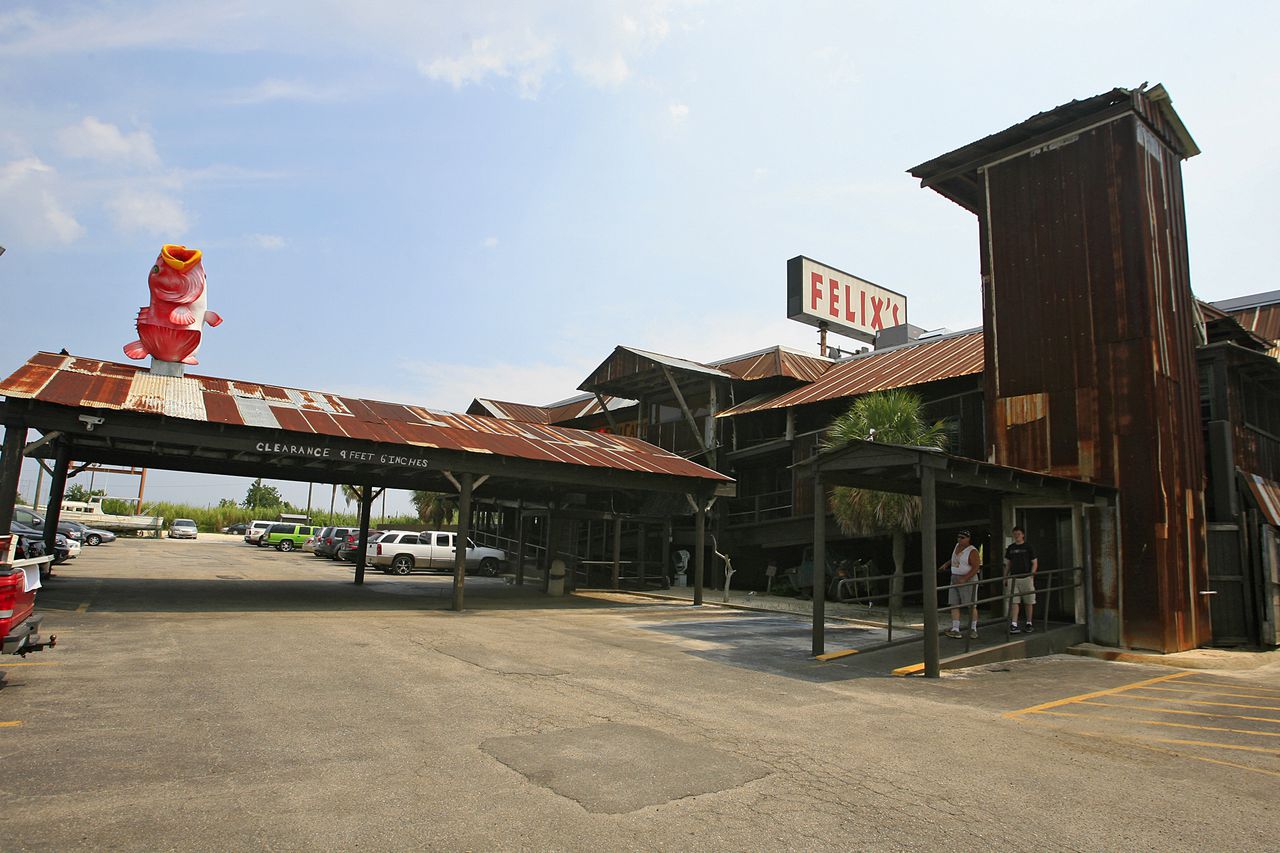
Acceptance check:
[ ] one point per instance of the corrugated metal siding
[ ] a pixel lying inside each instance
(1263, 320)
(777, 361)
(930, 361)
(1088, 308)
(88, 383)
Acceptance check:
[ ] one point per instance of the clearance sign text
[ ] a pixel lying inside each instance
(278, 448)
(849, 305)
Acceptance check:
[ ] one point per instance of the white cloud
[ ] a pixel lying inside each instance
(272, 90)
(519, 55)
(490, 242)
(148, 212)
(607, 73)
(93, 139)
(269, 242)
(679, 112)
(32, 212)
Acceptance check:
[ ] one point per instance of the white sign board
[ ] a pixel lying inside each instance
(849, 305)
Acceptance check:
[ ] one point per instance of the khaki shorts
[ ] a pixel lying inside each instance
(1021, 589)
(959, 596)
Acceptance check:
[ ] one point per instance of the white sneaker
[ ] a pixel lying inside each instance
(973, 633)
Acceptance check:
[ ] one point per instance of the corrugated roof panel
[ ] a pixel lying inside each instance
(88, 383)
(914, 364)
(255, 411)
(220, 408)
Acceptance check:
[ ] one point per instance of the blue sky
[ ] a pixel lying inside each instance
(428, 202)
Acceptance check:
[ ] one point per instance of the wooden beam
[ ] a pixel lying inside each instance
(460, 541)
(819, 565)
(684, 407)
(928, 565)
(608, 415)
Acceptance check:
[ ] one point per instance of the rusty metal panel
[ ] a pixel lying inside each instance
(1087, 300)
(913, 364)
(776, 361)
(82, 382)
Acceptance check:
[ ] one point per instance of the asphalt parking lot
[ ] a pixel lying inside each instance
(208, 695)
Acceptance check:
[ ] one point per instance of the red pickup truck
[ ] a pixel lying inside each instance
(19, 580)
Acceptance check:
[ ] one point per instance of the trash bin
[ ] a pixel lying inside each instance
(555, 578)
(681, 579)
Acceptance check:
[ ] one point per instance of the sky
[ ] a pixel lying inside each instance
(427, 202)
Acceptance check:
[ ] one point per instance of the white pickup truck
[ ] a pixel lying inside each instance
(403, 551)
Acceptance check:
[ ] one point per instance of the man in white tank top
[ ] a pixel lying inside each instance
(964, 566)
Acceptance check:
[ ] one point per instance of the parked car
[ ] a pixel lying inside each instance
(350, 546)
(403, 551)
(183, 528)
(330, 538)
(19, 623)
(70, 529)
(90, 535)
(254, 531)
(286, 537)
(61, 545)
(310, 545)
(237, 529)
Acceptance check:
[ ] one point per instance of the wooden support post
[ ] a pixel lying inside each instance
(928, 564)
(608, 415)
(617, 551)
(362, 542)
(641, 549)
(57, 488)
(700, 549)
(521, 530)
(666, 548)
(142, 487)
(15, 438)
(460, 541)
(709, 426)
(819, 565)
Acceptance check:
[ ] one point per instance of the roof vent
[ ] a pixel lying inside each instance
(894, 336)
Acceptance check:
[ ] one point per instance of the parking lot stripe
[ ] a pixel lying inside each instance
(1160, 723)
(1060, 702)
(1208, 704)
(834, 655)
(1233, 686)
(912, 669)
(30, 663)
(1265, 750)
(1163, 751)
(1211, 693)
(1275, 720)
(10, 724)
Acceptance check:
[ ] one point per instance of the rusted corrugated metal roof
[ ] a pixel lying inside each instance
(1262, 320)
(581, 406)
(1267, 494)
(912, 364)
(89, 383)
(775, 361)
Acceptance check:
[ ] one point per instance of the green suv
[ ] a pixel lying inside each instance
(287, 537)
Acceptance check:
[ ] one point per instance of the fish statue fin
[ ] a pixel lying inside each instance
(135, 350)
(213, 318)
(182, 316)
(191, 359)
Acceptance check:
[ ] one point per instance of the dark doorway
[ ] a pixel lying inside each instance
(1049, 532)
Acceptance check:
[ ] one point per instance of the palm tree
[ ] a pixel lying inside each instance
(889, 417)
(433, 508)
(350, 494)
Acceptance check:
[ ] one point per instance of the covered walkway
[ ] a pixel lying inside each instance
(93, 411)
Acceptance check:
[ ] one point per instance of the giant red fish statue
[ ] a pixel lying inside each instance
(169, 328)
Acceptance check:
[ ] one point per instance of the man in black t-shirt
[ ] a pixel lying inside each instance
(1020, 566)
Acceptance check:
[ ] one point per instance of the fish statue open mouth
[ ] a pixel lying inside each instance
(169, 329)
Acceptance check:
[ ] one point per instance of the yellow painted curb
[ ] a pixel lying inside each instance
(834, 655)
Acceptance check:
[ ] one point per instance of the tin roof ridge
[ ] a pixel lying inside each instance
(932, 339)
(1253, 300)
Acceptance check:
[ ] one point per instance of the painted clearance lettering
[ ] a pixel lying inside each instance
(281, 448)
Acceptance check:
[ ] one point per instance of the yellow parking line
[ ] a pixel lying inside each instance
(30, 663)
(909, 670)
(1160, 723)
(1060, 702)
(1275, 720)
(1209, 704)
(1235, 687)
(1264, 750)
(1211, 693)
(834, 655)
(1203, 758)
(10, 723)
